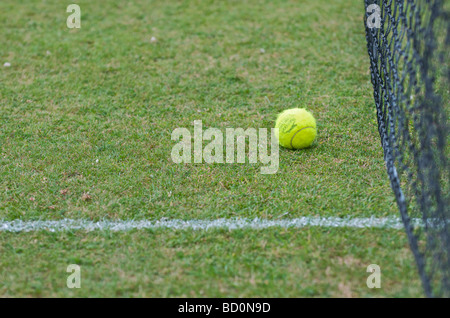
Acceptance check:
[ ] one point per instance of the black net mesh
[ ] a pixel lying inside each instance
(408, 43)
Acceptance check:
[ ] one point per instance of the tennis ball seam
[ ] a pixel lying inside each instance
(292, 139)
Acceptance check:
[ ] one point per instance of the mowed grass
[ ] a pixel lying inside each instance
(273, 262)
(107, 93)
(86, 121)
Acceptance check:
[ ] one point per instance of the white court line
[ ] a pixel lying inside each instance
(176, 224)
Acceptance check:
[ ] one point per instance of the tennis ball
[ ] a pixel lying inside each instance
(296, 128)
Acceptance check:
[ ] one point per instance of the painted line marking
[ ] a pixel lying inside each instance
(178, 224)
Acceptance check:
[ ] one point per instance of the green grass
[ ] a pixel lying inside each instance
(276, 263)
(92, 111)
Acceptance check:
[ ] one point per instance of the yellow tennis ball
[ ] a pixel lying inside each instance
(296, 128)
